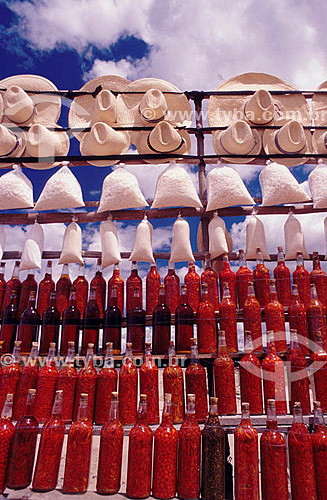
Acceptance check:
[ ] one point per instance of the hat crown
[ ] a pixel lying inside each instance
(103, 139)
(105, 108)
(41, 141)
(164, 138)
(19, 107)
(291, 137)
(7, 140)
(153, 105)
(238, 138)
(259, 108)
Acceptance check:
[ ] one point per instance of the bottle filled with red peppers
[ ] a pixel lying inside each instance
(26, 381)
(46, 386)
(173, 382)
(196, 383)
(66, 382)
(128, 388)
(250, 377)
(224, 378)
(206, 324)
(7, 431)
(243, 278)
(149, 385)
(106, 385)
(319, 445)
(86, 384)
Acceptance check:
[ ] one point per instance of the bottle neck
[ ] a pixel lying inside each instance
(16, 354)
(166, 413)
(134, 271)
(109, 358)
(226, 291)
(280, 257)
(248, 345)
(207, 264)
(29, 407)
(204, 294)
(137, 299)
(13, 300)
(70, 358)
(294, 292)
(114, 296)
(89, 357)
(313, 292)
(31, 301)
(272, 292)
(245, 416)
(98, 270)
(191, 267)
(114, 411)
(226, 264)
(222, 346)
(51, 356)
(271, 417)
(172, 361)
(162, 296)
(65, 271)
(32, 359)
(57, 406)
(299, 261)
(52, 300)
(190, 409)
(318, 417)
(128, 354)
(271, 347)
(242, 261)
(213, 410)
(72, 298)
(297, 415)
(48, 271)
(183, 300)
(294, 340)
(194, 354)
(15, 273)
(82, 410)
(316, 262)
(142, 414)
(7, 409)
(81, 273)
(251, 290)
(116, 271)
(259, 257)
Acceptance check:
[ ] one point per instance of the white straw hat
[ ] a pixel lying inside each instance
(239, 138)
(319, 106)
(319, 142)
(12, 143)
(291, 138)
(104, 140)
(43, 142)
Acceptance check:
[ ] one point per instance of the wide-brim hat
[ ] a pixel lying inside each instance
(290, 139)
(319, 106)
(164, 138)
(41, 142)
(104, 140)
(238, 138)
(86, 110)
(225, 109)
(319, 142)
(12, 143)
(22, 107)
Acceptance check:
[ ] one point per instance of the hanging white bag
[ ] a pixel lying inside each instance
(33, 248)
(142, 249)
(217, 237)
(256, 238)
(294, 239)
(16, 190)
(279, 186)
(72, 245)
(318, 185)
(2, 241)
(181, 250)
(109, 244)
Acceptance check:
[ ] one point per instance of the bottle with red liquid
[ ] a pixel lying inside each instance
(189, 449)
(99, 284)
(106, 385)
(9, 324)
(140, 455)
(71, 320)
(29, 285)
(63, 287)
(196, 383)
(227, 276)
(224, 378)
(165, 455)
(82, 289)
(297, 318)
(66, 382)
(301, 458)
(46, 386)
(128, 387)
(173, 382)
(210, 278)
(192, 281)
(11, 374)
(282, 276)
(250, 377)
(7, 430)
(252, 318)
(301, 278)
(183, 323)
(86, 383)
(49, 453)
(273, 377)
(46, 286)
(227, 319)
(316, 317)
(318, 359)
(298, 375)
(243, 278)
(152, 289)
(91, 323)
(319, 445)
(13, 285)
(111, 451)
(133, 282)
(28, 327)
(78, 453)
(136, 324)
(26, 381)
(318, 277)
(275, 318)
(274, 485)
(206, 324)
(2, 282)
(112, 322)
(171, 282)
(161, 320)
(50, 325)
(117, 281)
(246, 454)
(261, 278)
(149, 385)
(22, 453)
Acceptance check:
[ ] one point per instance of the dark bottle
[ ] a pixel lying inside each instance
(152, 289)
(29, 285)
(136, 324)
(46, 286)
(9, 324)
(13, 284)
(183, 324)
(63, 287)
(71, 320)
(161, 320)
(50, 325)
(2, 282)
(117, 281)
(171, 282)
(132, 282)
(112, 322)
(91, 323)
(99, 283)
(206, 323)
(82, 289)
(28, 325)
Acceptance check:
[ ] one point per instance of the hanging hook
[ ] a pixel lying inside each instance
(254, 210)
(64, 163)
(74, 218)
(109, 215)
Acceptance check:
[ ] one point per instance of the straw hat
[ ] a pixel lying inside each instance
(290, 138)
(239, 138)
(86, 110)
(258, 109)
(104, 140)
(43, 142)
(24, 108)
(12, 143)
(319, 106)
(164, 138)
(319, 142)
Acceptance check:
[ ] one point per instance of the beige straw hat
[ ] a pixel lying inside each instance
(25, 108)
(319, 106)
(290, 138)
(239, 138)
(43, 142)
(319, 142)
(86, 110)
(12, 143)
(104, 140)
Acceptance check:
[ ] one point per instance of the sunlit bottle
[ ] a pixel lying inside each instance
(71, 320)
(173, 382)
(132, 282)
(128, 388)
(319, 444)
(183, 323)
(112, 322)
(297, 318)
(275, 318)
(11, 374)
(227, 319)
(171, 282)
(152, 289)
(28, 325)
(298, 373)
(46, 386)
(210, 278)
(63, 287)
(117, 281)
(252, 318)
(46, 286)
(224, 378)
(99, 284)
(316, 317)
(261, 278)
(29, 285)
(318, 277)
(12, 285)
(106, 385)
(9, 324)
(50, 325)
(161, 320)
(206, 323)
(82, 289)
(26, 381)
(250, 377)
(91, 323)
(7, 430)
(243, 278)
(66, 382)
(192, 281)
(86, 383)
(149, 385)
(196, 383)
(301, 278)
(282, 276)
(274, 381)
(136, 323)
(227, 276)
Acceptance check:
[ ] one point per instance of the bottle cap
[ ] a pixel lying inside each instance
(316, 405)
(171, 343)
(71, 343)
(129, 345)
(109, 345)
(191, 398)
(213, 401)
(279, 249)
(84, 397)
(297, 404)
(90, 346)
(271, 403)
(52, 344)
(10, 398)
(114, 396)
(17, 343)
(245, 406)
(59, 394)
(194, 341)
(148, 345)
(32, 392)
(143, 397)
(35, 344)
(167, 398)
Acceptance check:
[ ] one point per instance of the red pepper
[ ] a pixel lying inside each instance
(226, 275)
(86, 384)
(297, 318)
(210, 278)
(275, 319)
(171, 282)
(7, 430)
(196, 383)
(252, 319)
(46, 286)
(319, 445)
(243, 278)
(227, 320)
(250, 378)
(128, 382)
(274, 378)
(192, 281)
(27, 381)
(298, 375)
(224, 379)
(149, 385)
(301, 278)
(66, 382)
(282, 276)
(106, 384)
(152, 289)
(45, 390)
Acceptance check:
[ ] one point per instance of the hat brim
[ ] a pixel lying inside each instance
(270, 147)
(21, 135)
(220, 151)
(224, 110)
(105, 163)
(143, 147)
(319, 106)
(318, 143)
(61, 150)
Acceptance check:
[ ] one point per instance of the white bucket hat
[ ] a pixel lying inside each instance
(239, 138)
(43, 142)
(104, 140)
(12, 143)
(291, 138)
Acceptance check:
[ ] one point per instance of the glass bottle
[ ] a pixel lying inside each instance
(71, 321)
(316, 317)
(111, 451)
(46, 286)
(49, 453)
(224, 377)
(227, 319)
(99, 283)
(112, 322)
(282, 276)
(210, 278)
(46, 386)
(106, 385)
(11, 374)
(78, 453)
(318, 359)
(274, 381)
(206, 324)
(301, 458)
(275, 319)
(29, 285)
(246, 458)
(149, 385)
(297, 318)
(132, 282)
(50, 325)
(86, 384)
(319, 445)
(140, 455)
(152, 289)
(196, 383)
(192, 281)
(28, 325)
(63, 287)
(171, 282)
(213, 456)
(318, 277)
(9, 324)
(183, 323)
(189, 449)
(243, 278)
(252, 318)
(298, 375)
(12, 285)
(91, 322)
(161, 320)
(2, 282)
(128, 386)
(117, 281)
(22, 453)
(26, 381)
(250, 377)
(261, 278)
(274, 483)
(66, 382)
(173, 383)
(227, 276)
(7, 430)
(82, 290)
(136, 323)
(301, 278)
